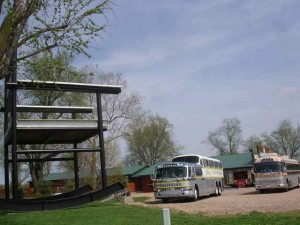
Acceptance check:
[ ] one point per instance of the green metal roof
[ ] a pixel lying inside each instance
(127, 170)
(59, 176)
(235, 161)
(148, 171)
(130, 170)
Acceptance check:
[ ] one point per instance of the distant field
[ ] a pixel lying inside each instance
(115, 213)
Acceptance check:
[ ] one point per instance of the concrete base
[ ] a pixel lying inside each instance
(126, 199)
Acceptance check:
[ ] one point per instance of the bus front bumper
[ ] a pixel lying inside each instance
(270, 186)
(173, 194)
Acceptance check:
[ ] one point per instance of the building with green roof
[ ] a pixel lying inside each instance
(59, 180)
(142, 179)
(238, 169)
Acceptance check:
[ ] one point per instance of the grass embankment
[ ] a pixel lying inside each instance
(112, 213)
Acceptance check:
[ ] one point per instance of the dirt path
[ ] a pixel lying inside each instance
(234, 201)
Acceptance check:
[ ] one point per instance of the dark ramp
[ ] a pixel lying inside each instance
(53, 204)
(73, 193)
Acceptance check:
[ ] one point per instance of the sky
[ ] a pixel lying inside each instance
(198, 62)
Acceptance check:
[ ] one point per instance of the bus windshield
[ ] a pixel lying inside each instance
(188, 159)
(268, 167)
(171, 172)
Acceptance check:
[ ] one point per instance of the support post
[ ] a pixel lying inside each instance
(13, 119)
(6, 163)
(101, 140)
(6, 169)
(76, 169)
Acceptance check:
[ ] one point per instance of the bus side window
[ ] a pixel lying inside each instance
(206, 162)
(284, 169)
(198, 171)
(201, 162)
(192, 172)
(216, 164)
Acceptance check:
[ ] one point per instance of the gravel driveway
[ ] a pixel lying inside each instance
(234, 201)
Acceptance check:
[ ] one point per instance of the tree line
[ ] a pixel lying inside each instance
(227, 138)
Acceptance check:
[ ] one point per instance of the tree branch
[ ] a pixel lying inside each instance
(47, 48)
(36, 34)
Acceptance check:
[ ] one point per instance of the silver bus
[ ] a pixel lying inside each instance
(188, 176)
(272, 171)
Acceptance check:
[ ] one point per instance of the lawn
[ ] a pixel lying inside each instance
(115, 213)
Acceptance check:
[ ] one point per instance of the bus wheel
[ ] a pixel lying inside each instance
(216, 190)
(287, 186)
(219, 190)
(165, 200)
(298, 182)
(196, 194)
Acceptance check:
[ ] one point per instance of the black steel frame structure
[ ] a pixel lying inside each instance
(12, 148)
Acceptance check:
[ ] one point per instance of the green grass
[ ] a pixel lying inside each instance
(140, 199)
(114, 213)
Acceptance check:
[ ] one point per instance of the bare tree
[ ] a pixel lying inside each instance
(285, 139)
(35, 26)
(251, 143)
(227, 138)
(118, 111)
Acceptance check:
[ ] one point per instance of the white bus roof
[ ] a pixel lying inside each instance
(277, 158)
(200, 156)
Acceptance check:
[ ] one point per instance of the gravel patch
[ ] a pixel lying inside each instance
(233, 201)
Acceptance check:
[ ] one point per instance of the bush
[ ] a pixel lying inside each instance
(44, 188)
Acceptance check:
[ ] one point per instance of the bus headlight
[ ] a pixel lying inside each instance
(257, 182)
(279, 181)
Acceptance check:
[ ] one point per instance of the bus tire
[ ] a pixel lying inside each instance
(196, 194)
(216, 190)
(219, 190)
(287, 185)
(164, 200)
(298, 182)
